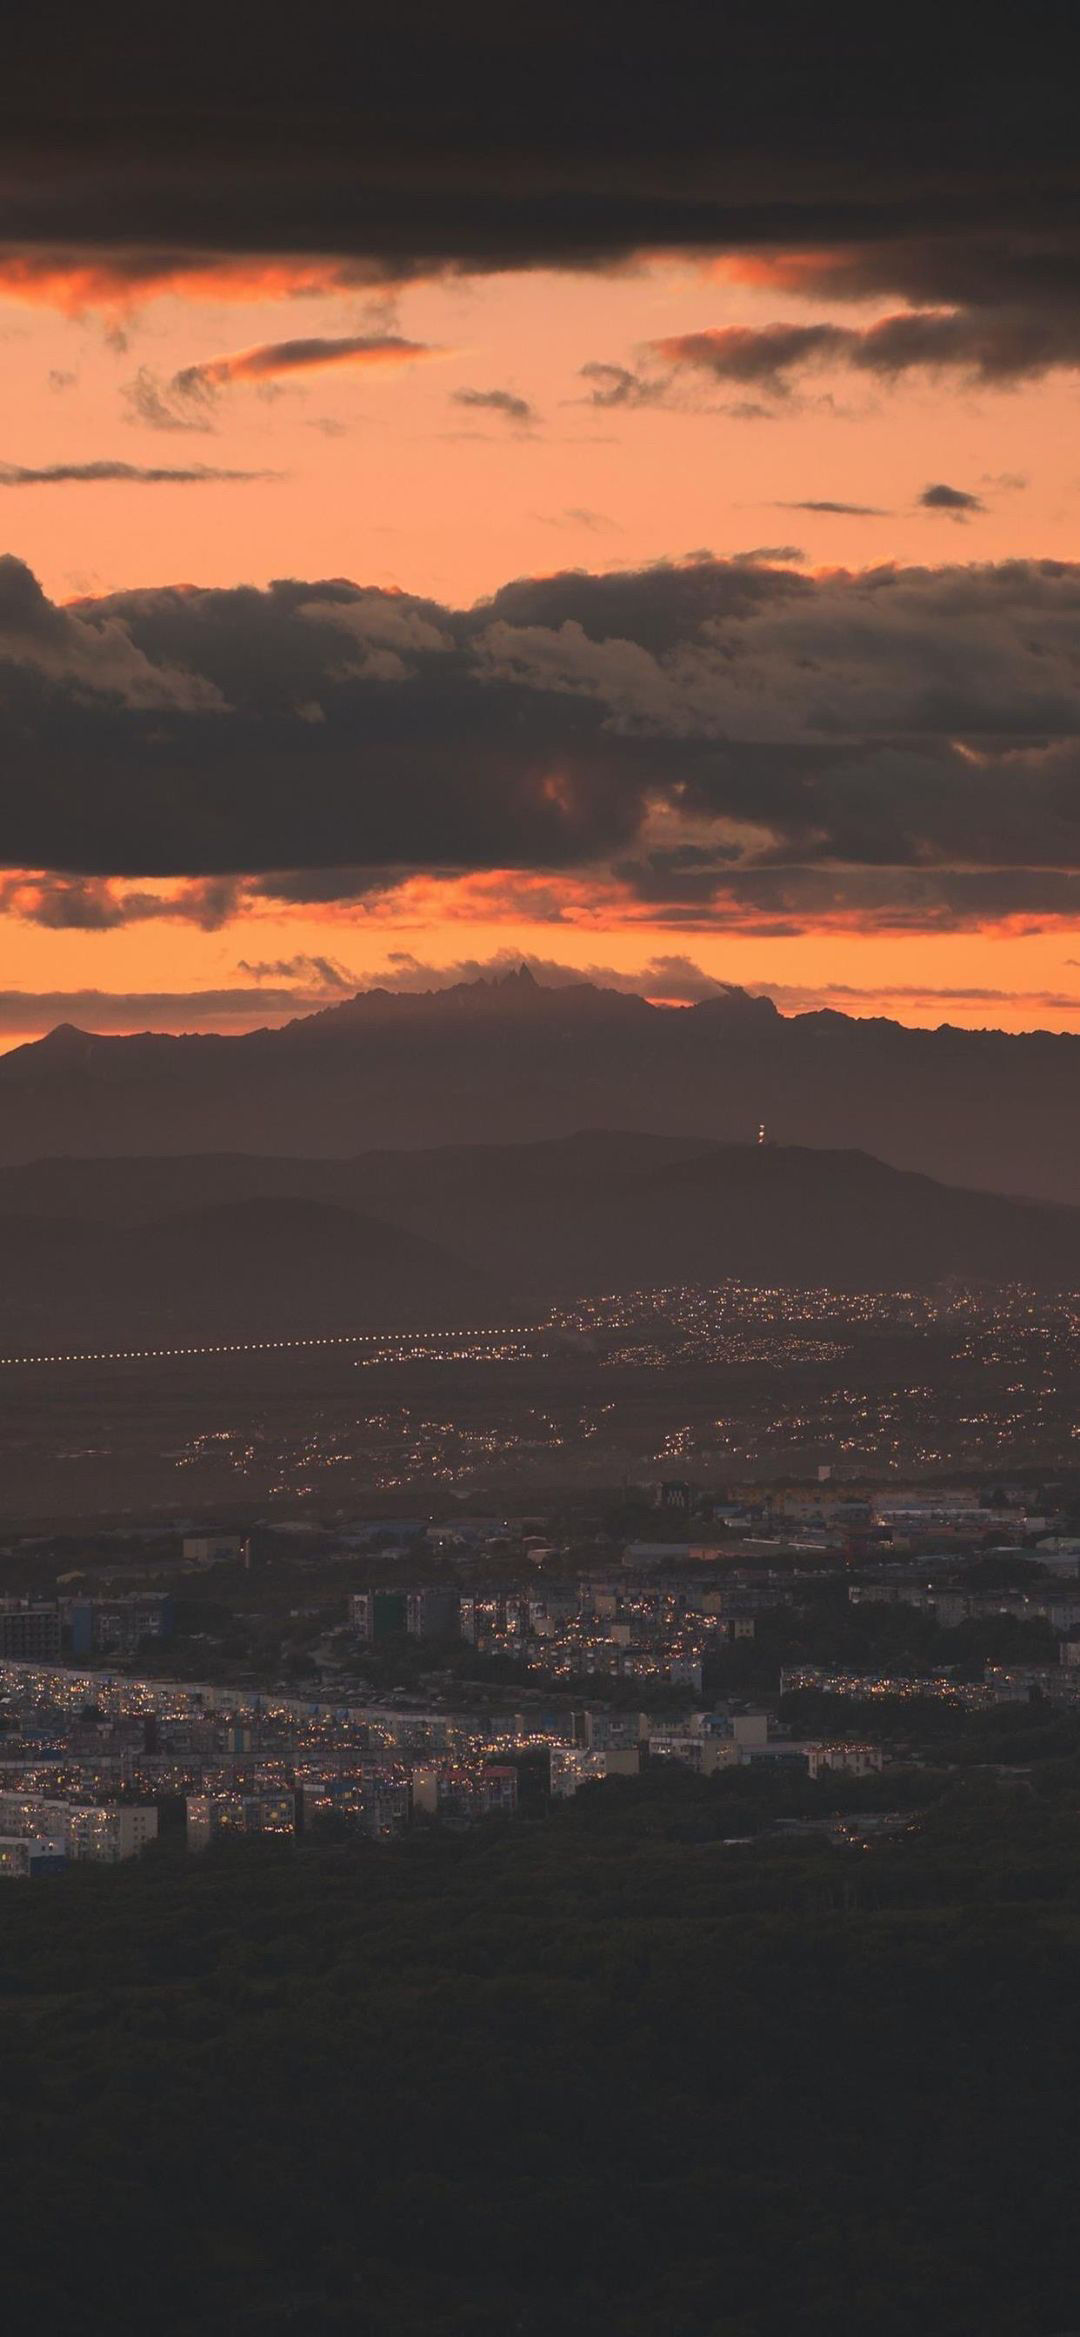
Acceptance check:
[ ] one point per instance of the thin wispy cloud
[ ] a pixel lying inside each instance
(26, 1013)
(579, 515)
(148, 400)
(272, 360)
(835, 510)
(768, 556)
(186, 401)
(507, 403)
(318, 972)
(608, 386)
(120, 474)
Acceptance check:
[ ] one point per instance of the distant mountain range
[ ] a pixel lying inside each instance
(507, 1061)
(242, 1246)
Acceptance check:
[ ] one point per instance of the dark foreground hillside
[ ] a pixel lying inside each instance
(600, 2071)
(256, 1268)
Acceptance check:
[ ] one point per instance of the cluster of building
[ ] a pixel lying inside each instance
(854, 1520)
(41, 1631)
(40, 1834)
(1056, 1602)
(622, 1655)
(1000, 1683)
(376, 1799)
(573, 1630)
(88, 1759)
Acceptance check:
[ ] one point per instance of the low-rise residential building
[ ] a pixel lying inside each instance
(573, 1766)
(850, 1760)
(216, 1549)
(238, 1813)
(104, 1831)
(704, 1754)
(24, 1856)
(462, 1792)
(375, 1801)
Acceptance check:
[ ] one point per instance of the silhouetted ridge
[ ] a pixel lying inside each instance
(511, 1060)
(246, 1246)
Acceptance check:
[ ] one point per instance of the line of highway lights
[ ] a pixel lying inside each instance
(270, 1346)
(369, 1338)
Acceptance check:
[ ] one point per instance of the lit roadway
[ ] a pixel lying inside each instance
(436, 1342)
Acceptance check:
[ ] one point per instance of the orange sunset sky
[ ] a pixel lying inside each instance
(462, 433)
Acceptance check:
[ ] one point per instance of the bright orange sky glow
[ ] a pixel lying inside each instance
(452, 441)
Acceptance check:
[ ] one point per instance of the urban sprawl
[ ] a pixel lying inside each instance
(295, 1679)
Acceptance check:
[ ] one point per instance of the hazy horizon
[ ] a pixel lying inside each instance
(673, 983)
(649, 533)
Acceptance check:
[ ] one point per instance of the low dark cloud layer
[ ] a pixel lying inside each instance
(64, 902)
(669, 979)
(832, 157)
(25, 1012)
(470, 138)
(998, 303)
(782, 903)
(992, 345)
(674, 979)
(714, 737)
(761, 356)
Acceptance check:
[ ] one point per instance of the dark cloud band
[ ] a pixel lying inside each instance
(469, 138)
(992, 342)
(706, 733)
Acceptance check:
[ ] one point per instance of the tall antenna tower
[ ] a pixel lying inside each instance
(761, 1135)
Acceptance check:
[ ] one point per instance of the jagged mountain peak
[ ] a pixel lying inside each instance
(515, 1059)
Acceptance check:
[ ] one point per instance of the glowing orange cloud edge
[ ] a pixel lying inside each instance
(120, 283)
(500, 896)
